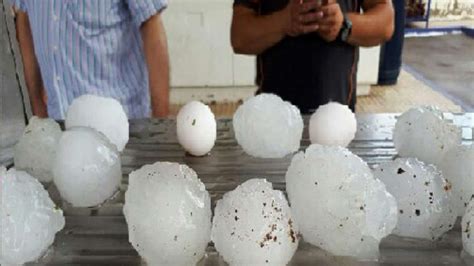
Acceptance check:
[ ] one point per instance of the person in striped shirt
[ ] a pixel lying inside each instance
(110, 48)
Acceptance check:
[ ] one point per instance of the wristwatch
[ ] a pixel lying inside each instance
(346, 29)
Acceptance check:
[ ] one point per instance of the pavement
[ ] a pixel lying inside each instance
(444, 63)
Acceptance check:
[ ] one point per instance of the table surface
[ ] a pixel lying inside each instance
(98, 236)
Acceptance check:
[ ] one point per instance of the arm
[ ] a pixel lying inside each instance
(156, 54)
(252, 33)
(374, 26)
(33, 79)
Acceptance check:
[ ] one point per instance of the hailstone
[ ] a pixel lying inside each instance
(106, 115)
(87, 169)
(196, 128)
(168, 212)
(468, 229)
(333, 124)
(267, 127)
(423, 133)
(458, 167)
(29, 219)
(36, 149)
(338, 204)
(253, 225)
(423, 197)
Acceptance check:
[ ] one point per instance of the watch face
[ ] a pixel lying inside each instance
(346, 30)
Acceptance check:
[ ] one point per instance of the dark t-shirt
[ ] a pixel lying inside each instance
(306, 70)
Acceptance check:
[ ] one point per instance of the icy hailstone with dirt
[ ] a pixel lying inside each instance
(168, 212)
(268, 127)
(196, 128)
(36, 149)
(338, 204)
(253, 226)
(106, 115)
(87, 169)
(423, 196)
(458, 168)
(333, 124)
(423, 133)
(29, 219)
(468, 229)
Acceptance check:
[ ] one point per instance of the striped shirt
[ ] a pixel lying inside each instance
(91, 47)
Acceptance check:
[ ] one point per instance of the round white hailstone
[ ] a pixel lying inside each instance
(253, 226)
(106, 115)
(333, 124)
(423, 133)
(87, 169)
(338, 204)
(423, 198)
(267, 127)
(36, 149)
(468, 229)
(29, 219)
(168, 212)
(196, 128)
(458, 167)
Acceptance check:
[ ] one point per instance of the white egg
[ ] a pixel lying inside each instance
(333, 124)
(168, 212)
(423, 133)
(29, 218)
(338, 204)
(423, 196)
(87, 169)
(196, 128)
(105, 115)
(253, 225)
(467, 225)
(36, 149)
(268, 127)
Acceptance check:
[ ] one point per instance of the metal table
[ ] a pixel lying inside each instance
(98, 236)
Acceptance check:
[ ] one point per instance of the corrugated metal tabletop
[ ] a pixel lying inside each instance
(98, 236)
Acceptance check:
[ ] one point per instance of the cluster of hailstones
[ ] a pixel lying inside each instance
(83, 162)
(352, 207)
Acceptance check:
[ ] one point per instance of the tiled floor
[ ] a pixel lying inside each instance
(409, 92)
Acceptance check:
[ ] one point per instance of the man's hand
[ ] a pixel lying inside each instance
(331, 22)
(38, 106)
(159, 110)
(302, 17)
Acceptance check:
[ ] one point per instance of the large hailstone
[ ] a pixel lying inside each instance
(196, 128)
(423, 197)
(333, 124)
(423, 133)
(29, 219)
(168, 212)
(268, 127)
(87, 169)
(253, 226)
(106, 115)
(468, 229)
(338, 204)
(458, 167)
(36, 149)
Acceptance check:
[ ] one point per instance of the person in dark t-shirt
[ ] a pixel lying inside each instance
(308, 49)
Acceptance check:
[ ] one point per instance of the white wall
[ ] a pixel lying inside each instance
(199, 44)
